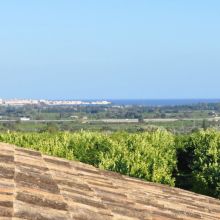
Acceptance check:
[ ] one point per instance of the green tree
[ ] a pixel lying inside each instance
(206, 162)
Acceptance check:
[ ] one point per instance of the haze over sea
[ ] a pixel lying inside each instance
(162, 102)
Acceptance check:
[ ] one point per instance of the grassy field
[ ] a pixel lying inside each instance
(181, 126)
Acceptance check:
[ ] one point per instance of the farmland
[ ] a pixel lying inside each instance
(177, 119)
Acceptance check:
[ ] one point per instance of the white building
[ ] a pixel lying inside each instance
(25, 119)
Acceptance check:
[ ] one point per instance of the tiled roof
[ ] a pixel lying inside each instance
(39, 187)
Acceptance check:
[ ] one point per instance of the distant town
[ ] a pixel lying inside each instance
(22, 102)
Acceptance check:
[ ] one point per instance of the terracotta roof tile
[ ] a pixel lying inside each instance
(39, 187)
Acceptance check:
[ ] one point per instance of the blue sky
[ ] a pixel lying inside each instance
(110, 49)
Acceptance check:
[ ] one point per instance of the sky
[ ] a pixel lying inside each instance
(112, 49)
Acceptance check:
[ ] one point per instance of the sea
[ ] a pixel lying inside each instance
(161, 102)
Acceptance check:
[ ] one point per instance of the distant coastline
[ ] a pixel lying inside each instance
(23, 102)
(120, 102)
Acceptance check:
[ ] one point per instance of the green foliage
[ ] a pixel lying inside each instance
(191, 161)
(206, 162)
(88, 147)
(55, 144)
(148, 155)
(198, 156)
(185, 156)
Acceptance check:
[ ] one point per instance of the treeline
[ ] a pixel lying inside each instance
(187, 161)
(108, 111)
